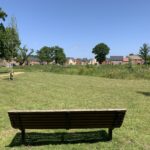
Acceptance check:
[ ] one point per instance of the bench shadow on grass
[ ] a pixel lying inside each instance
(36, 139)
(144, 93)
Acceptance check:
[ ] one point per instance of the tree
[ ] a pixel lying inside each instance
(101, 50)
(50, 54)
(9, 40)
(2, 44)
(11, 44)
(23, 55)
(144, 51)
(46, 54)
(3, 15)
(59, 55)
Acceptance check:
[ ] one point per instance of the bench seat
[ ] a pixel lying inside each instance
(66, 119)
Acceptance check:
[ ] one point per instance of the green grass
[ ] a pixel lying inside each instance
(107, 71)
(43, 90)
(4, 70)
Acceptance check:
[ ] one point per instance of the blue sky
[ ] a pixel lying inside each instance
(78, 25)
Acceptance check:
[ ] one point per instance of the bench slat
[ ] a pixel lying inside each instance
(66, 119)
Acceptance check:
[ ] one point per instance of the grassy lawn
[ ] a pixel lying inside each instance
(35, 90)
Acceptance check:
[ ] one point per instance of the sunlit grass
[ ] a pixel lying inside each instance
(35, 90)
(108, 71)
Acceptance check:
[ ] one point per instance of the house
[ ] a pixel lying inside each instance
(116, 60)
(34, 60)
(5, 63)
(135, 59)
(125, 60)
(93, 62)
(70, 61)
(84, 61)
(78, 61)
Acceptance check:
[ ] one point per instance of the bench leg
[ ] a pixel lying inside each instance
(110, 134)
(23, 136)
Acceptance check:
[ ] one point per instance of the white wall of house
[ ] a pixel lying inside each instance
(71, 62)
(93, 62)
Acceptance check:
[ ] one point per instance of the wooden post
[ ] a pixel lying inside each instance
(110, 134)
(23, 136)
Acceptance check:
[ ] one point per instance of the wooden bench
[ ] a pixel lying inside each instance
(66, 119)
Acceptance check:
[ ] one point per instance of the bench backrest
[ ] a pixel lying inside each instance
(67, 119)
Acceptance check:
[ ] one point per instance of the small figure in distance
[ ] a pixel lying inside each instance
(11, 77)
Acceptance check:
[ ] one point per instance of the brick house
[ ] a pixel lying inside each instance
(115, 60)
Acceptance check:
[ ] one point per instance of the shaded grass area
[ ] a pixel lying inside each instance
(107, 71)
(39, 139)
(43, 90)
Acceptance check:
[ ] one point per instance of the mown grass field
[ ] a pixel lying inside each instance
(43, 90)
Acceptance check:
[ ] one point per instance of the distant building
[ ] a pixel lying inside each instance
(125, 60)
(70, 61)
(78, 61)
(93, 62)
(4, 63)
(135, 59)
(85, 61)
(116, 60)
(34, 60)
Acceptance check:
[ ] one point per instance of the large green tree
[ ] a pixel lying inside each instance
(59, 55)
(23, 55)
(52, 54)
(46, 54)
(100, 51)
(9, 39)
(3, 15)
(11, 44)
(144, 52)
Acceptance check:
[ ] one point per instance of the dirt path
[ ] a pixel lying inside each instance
(7, 74)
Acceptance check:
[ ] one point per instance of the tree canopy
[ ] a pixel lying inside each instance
(9, 39)
(11, 43)
(52, 54)
(144, 52)
(59, 55)
(46, 54)
(100, 51)
(3, 15)
(23, 55)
